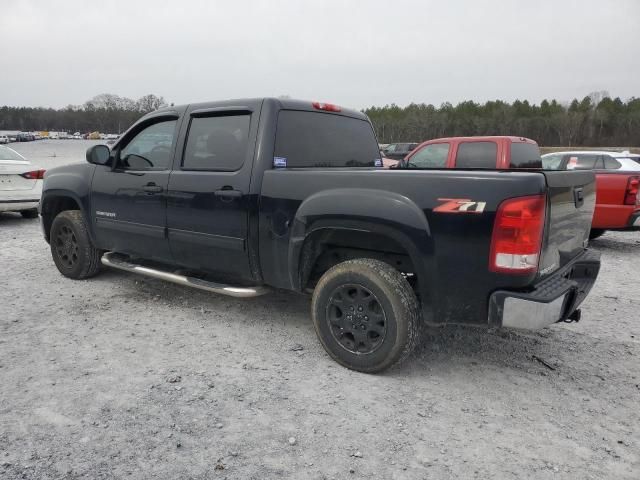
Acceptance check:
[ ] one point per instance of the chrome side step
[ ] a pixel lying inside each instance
(114, 260)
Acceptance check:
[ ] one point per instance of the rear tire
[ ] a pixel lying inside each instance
(71, 247)
(595, 233)
(366, 315)
(31, 213)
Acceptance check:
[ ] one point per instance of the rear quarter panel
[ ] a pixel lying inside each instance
(450, 258)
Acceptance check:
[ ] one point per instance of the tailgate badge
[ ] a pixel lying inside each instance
(460, 205)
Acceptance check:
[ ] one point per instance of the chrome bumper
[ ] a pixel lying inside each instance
(552, 300)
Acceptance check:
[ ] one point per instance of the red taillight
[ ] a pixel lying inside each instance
(34, 175)
(517, 235)
(327, 107)
(632, 197)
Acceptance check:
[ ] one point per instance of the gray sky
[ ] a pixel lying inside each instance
(355, 53)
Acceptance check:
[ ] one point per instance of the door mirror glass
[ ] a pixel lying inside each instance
(98, 154)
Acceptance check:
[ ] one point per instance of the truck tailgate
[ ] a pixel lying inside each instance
(571, 202)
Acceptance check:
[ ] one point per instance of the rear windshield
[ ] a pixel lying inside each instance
(8, 154)
(525, 155)
(314, 139)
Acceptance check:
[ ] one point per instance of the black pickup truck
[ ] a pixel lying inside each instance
(238, 196)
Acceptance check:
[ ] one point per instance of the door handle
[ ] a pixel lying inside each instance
(152, 188)
(227, 194)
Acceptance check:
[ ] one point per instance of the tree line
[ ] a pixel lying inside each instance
(597, 120)
(106, 113)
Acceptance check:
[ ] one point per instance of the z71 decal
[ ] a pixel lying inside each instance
(460, 205)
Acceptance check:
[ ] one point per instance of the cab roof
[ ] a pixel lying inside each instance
(280, 103)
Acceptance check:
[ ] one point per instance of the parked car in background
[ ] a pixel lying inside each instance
(20, 184)
(4, 139)
(496, 152)
(397, 151)
(617, 186)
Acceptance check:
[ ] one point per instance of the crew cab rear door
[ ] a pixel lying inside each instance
(208, 202)
(571, 201)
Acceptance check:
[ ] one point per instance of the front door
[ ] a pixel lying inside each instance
(208, 203)
(129, 201)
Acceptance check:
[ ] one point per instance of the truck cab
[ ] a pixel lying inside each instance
(492, 152)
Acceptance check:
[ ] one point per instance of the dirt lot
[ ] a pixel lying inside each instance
(125, 376)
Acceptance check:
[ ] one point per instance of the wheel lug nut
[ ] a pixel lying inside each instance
(360, 308)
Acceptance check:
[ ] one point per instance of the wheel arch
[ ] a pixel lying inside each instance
(379, 224)
(55, 201)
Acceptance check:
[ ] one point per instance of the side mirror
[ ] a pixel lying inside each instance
(98, 154)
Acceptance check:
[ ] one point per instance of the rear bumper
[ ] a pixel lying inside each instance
(18, 205)
(552, 300)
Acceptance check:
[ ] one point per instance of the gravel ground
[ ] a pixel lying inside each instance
(123, 376)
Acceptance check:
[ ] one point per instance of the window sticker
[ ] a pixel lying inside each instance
(279, 162)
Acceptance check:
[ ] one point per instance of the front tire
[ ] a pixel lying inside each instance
(366, 315)
(71, 247)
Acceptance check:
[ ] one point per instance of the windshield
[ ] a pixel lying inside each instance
(8, 154)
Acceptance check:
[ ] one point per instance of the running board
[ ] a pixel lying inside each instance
(113, 260)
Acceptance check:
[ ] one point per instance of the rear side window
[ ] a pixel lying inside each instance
(430, 156)
(611, 163)
(217, 143)
(310, 139)
(477, 155)
(525, 155)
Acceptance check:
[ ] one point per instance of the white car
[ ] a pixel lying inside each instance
(20, 184)
(4, 139)
(590, 160)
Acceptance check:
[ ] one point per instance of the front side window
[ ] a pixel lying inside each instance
(430, 156)
(150, 149)
(477, 155)
(391, 148)
(217, 143)
(552, 162)
(313, 139)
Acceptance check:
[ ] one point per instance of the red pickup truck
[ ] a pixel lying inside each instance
(497, 152)
(617, 186)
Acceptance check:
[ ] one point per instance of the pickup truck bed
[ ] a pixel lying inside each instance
(237, 196)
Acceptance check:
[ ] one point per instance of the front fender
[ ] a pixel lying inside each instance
(68, 182)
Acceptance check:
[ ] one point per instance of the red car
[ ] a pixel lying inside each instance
(617, 184)
(499, 152)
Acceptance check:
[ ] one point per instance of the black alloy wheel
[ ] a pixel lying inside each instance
(66, 245)
(356, 319)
